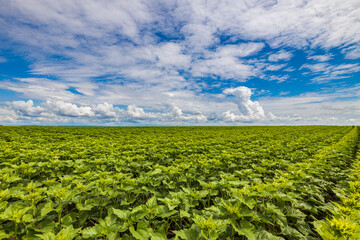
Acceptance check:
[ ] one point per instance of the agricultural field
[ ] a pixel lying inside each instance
(179, 183)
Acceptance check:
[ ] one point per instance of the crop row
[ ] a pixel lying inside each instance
(344, 222)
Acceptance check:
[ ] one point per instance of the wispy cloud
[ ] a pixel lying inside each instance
(280, 56)
(326, 72)
(329, 106)
(321, 58)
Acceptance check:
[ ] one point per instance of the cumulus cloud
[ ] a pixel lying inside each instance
(105, 109)
(50, 111)
(171, 114)
(247, 108)
(137, 113)
(69, 109)
(26, 108)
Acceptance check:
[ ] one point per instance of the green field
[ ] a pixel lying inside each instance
(179, 182)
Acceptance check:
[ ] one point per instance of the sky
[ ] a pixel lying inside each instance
(189, 62)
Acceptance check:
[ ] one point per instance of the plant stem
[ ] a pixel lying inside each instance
(209, 199)
(59, 214)
(16, 227)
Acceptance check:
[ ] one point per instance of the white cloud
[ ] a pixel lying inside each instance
(69, 109)
(280, 56)
(26, 108)
(331, 106)
(173, 114)
(171, 54)
(252, 111)
(2, 59)
(321, 58)
(39, 88)
(352, 52)
(199, 36)
(289, 69)
(279, 79)
(52, 111)
(91, 18)
(105, 110)
(327, 72)
(275, 67)
(238, 50)
(246, 107)
(226, 67)
(226, 62)
(137, 113)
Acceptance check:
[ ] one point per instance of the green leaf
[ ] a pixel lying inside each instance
(110, 220)
(250, 202)
(324, 230)
(3, 234)
(45, 226)
(122, 214)
(184, 214)
(291, 232)
(141, 232)
(139, 212)
(67, 233)
(48, 207)
(163, 211)
(112, 236)
(91, 231)
(189, 234)
(157, 235)
(151, 202)
(15, 212)
(87, 205)
(3, 205)
(246, 229)
(27, 218)
(30, 236)
(47, 236)
(265, 235)
(67, 220)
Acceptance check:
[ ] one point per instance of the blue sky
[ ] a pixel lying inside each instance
(179, 62)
